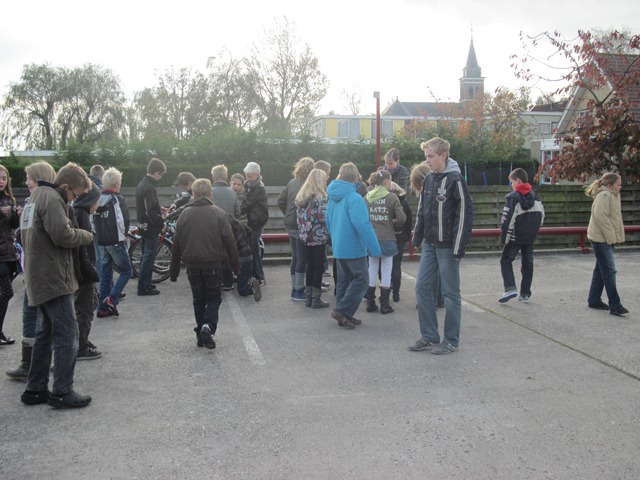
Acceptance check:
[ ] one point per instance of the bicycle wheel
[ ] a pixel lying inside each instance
(163, 262)
(135, 254)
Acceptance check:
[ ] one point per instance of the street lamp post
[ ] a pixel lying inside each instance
(376, 95)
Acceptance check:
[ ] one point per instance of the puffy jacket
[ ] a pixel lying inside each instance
(203, 237)
(255, 204)
(445, 211)
(352, 235)
(522, 216)
(241, 233)
(605, 224)
(49, 239)
(150, 221)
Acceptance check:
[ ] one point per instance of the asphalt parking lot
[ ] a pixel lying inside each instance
(548, 390)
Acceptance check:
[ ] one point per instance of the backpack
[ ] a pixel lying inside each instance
(105, 220)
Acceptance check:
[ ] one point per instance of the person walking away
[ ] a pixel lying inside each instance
(311, 210)
(386, 215)
(9, 221)
(443, 229)
(150, 223)
(203, 237)
(49, 239)
(112, 224)
(352, 239)
(402, 234)
(522, 217)
(605, 230)
(85, 299)
(255, 206)
(34, 172)
(287, 205)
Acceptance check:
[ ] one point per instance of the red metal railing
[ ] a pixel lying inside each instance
(488, 232)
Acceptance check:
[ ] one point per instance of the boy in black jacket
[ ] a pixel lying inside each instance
(522, 217)
(150, 222)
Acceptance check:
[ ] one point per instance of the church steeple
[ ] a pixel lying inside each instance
(472, 81)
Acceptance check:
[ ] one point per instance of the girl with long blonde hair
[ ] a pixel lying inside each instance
(311, 211)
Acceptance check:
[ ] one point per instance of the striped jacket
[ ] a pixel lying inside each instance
(445, 211)
(522, 217)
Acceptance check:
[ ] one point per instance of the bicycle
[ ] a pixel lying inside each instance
(162, 262)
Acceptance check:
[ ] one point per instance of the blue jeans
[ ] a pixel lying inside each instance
(149, 247)
(110, 256)
(439, 263)
(29, 320)
(57, 334)
(509, 253)
(604, 276)
(258, 272)
(298, 256)
(353, 281)
(207, 297)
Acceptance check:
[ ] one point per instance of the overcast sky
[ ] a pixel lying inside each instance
(402, 48)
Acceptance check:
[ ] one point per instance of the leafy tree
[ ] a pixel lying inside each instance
(97, 101)
(52, 105)
(487, 130)
(601, 72)
(235, 105)
(284, 81)
(180, 106)
(30, 107)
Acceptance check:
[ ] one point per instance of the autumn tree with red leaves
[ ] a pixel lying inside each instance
(484, 131)
(600, 72)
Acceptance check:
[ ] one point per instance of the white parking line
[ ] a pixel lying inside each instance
(466, 305)
(247, 337)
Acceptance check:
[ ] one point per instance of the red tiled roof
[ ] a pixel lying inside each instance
(622, 71)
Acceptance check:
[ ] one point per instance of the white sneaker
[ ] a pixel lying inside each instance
(523, 298)
(508, 296)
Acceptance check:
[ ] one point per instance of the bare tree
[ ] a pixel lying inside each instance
(352, 99)
(284, 80)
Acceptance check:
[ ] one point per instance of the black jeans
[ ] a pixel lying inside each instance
(207, 297)
(506, 265)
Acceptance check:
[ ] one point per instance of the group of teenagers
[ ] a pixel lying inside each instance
(72, 232)
(73, 226)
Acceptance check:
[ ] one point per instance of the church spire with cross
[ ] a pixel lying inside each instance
(472, 81)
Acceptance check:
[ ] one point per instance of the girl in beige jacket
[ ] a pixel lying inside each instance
(604, 231)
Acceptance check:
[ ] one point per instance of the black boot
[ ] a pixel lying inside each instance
(396, 293)
(22, 372)
(309, 299)
(384, 301)
(396, 281)
(316, 301)
(371, 299)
